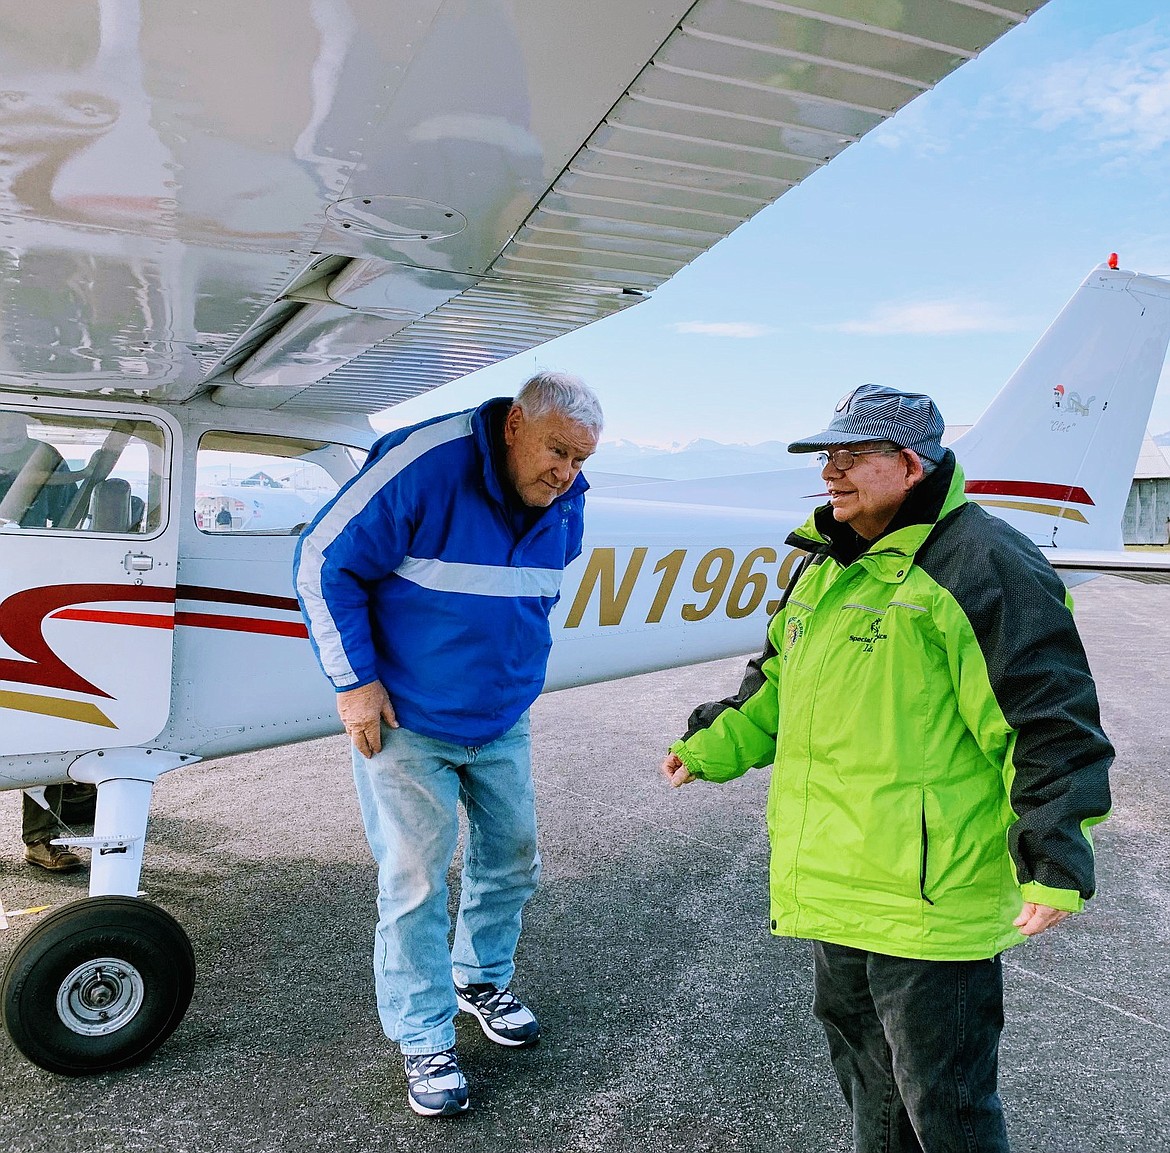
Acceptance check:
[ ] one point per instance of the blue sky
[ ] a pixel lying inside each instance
(930, 256)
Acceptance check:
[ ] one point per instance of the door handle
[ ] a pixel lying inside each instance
(137, 562)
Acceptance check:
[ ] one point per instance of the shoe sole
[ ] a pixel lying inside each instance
(488, 1032)
(451, 1109)
(54, 868)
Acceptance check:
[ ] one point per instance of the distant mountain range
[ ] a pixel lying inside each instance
(707, 458)
(700, 458)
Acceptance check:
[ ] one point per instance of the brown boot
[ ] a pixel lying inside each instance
(54, 858)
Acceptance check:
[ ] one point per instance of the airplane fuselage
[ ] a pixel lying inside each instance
(184, 634)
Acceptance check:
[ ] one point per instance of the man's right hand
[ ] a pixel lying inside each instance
(675, 772)
(362, 712)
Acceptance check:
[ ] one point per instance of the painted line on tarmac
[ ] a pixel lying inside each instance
(1088, 997)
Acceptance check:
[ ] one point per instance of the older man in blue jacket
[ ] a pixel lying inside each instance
(426, 585)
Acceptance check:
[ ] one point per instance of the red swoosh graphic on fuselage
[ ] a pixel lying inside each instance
(21, 619)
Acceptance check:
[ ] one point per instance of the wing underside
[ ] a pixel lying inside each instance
(337, 205)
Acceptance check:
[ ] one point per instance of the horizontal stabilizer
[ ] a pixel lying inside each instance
(1144, 567)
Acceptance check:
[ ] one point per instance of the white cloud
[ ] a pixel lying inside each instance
(928, 318)
(1118, 97)
(741, 330)
(1112, 98)
(914, 129)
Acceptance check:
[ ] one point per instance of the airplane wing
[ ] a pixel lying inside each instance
(319, 204)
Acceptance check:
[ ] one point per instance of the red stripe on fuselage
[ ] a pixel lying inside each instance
(1068, 492)
(242, 624)
(141, 620)
(232, 597)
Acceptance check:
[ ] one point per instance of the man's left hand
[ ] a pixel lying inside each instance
(1035, 919)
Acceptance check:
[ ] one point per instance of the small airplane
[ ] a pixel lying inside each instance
(259, 503)
(228, 236)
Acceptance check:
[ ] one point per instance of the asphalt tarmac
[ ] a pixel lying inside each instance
(671, 1019)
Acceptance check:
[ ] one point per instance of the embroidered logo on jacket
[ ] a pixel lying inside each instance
(793, 631)
(873, 635)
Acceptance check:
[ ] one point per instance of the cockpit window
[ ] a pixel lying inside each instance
(255, 485)
(67, 472)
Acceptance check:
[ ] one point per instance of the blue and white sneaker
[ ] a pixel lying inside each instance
(503, 1018)
(435, 1086)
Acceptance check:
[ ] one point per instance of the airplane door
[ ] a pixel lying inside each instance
(88, 558)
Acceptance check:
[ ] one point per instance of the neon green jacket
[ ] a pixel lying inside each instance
(934, 727)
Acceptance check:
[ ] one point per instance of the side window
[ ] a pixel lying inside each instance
(256, 485)
(80, 473)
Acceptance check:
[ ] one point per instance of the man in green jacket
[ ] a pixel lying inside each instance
(938, 760)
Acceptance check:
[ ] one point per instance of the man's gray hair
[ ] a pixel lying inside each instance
(928, 465)
(563, 393)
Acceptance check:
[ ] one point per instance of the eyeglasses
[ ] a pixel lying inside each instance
(843, 459)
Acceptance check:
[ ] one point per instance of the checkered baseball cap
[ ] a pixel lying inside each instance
(875, 412)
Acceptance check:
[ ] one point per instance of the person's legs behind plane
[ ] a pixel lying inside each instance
(69, 804)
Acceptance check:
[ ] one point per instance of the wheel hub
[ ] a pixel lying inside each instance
(100, 997)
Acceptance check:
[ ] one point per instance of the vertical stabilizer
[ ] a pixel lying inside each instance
(1055, 452)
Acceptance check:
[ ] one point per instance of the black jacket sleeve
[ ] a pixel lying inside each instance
(1038, 671)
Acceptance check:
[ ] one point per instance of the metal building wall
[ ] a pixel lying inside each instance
(1147, 512)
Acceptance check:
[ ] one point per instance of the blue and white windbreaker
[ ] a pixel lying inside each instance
(413, 575)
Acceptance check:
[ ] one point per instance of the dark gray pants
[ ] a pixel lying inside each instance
(915, 1045)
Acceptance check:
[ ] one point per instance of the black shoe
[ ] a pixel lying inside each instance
(54, 858)
(435, 1086)
(503, 1018)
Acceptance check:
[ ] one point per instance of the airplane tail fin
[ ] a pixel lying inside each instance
(1055, 452)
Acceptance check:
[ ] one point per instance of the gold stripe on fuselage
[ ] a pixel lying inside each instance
(55, 707)
(1031, 506)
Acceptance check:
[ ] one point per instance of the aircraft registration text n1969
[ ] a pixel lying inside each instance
(721, 579)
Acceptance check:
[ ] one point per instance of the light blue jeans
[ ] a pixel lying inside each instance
(410, 794)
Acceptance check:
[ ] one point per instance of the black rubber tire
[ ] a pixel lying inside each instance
(155, 966)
